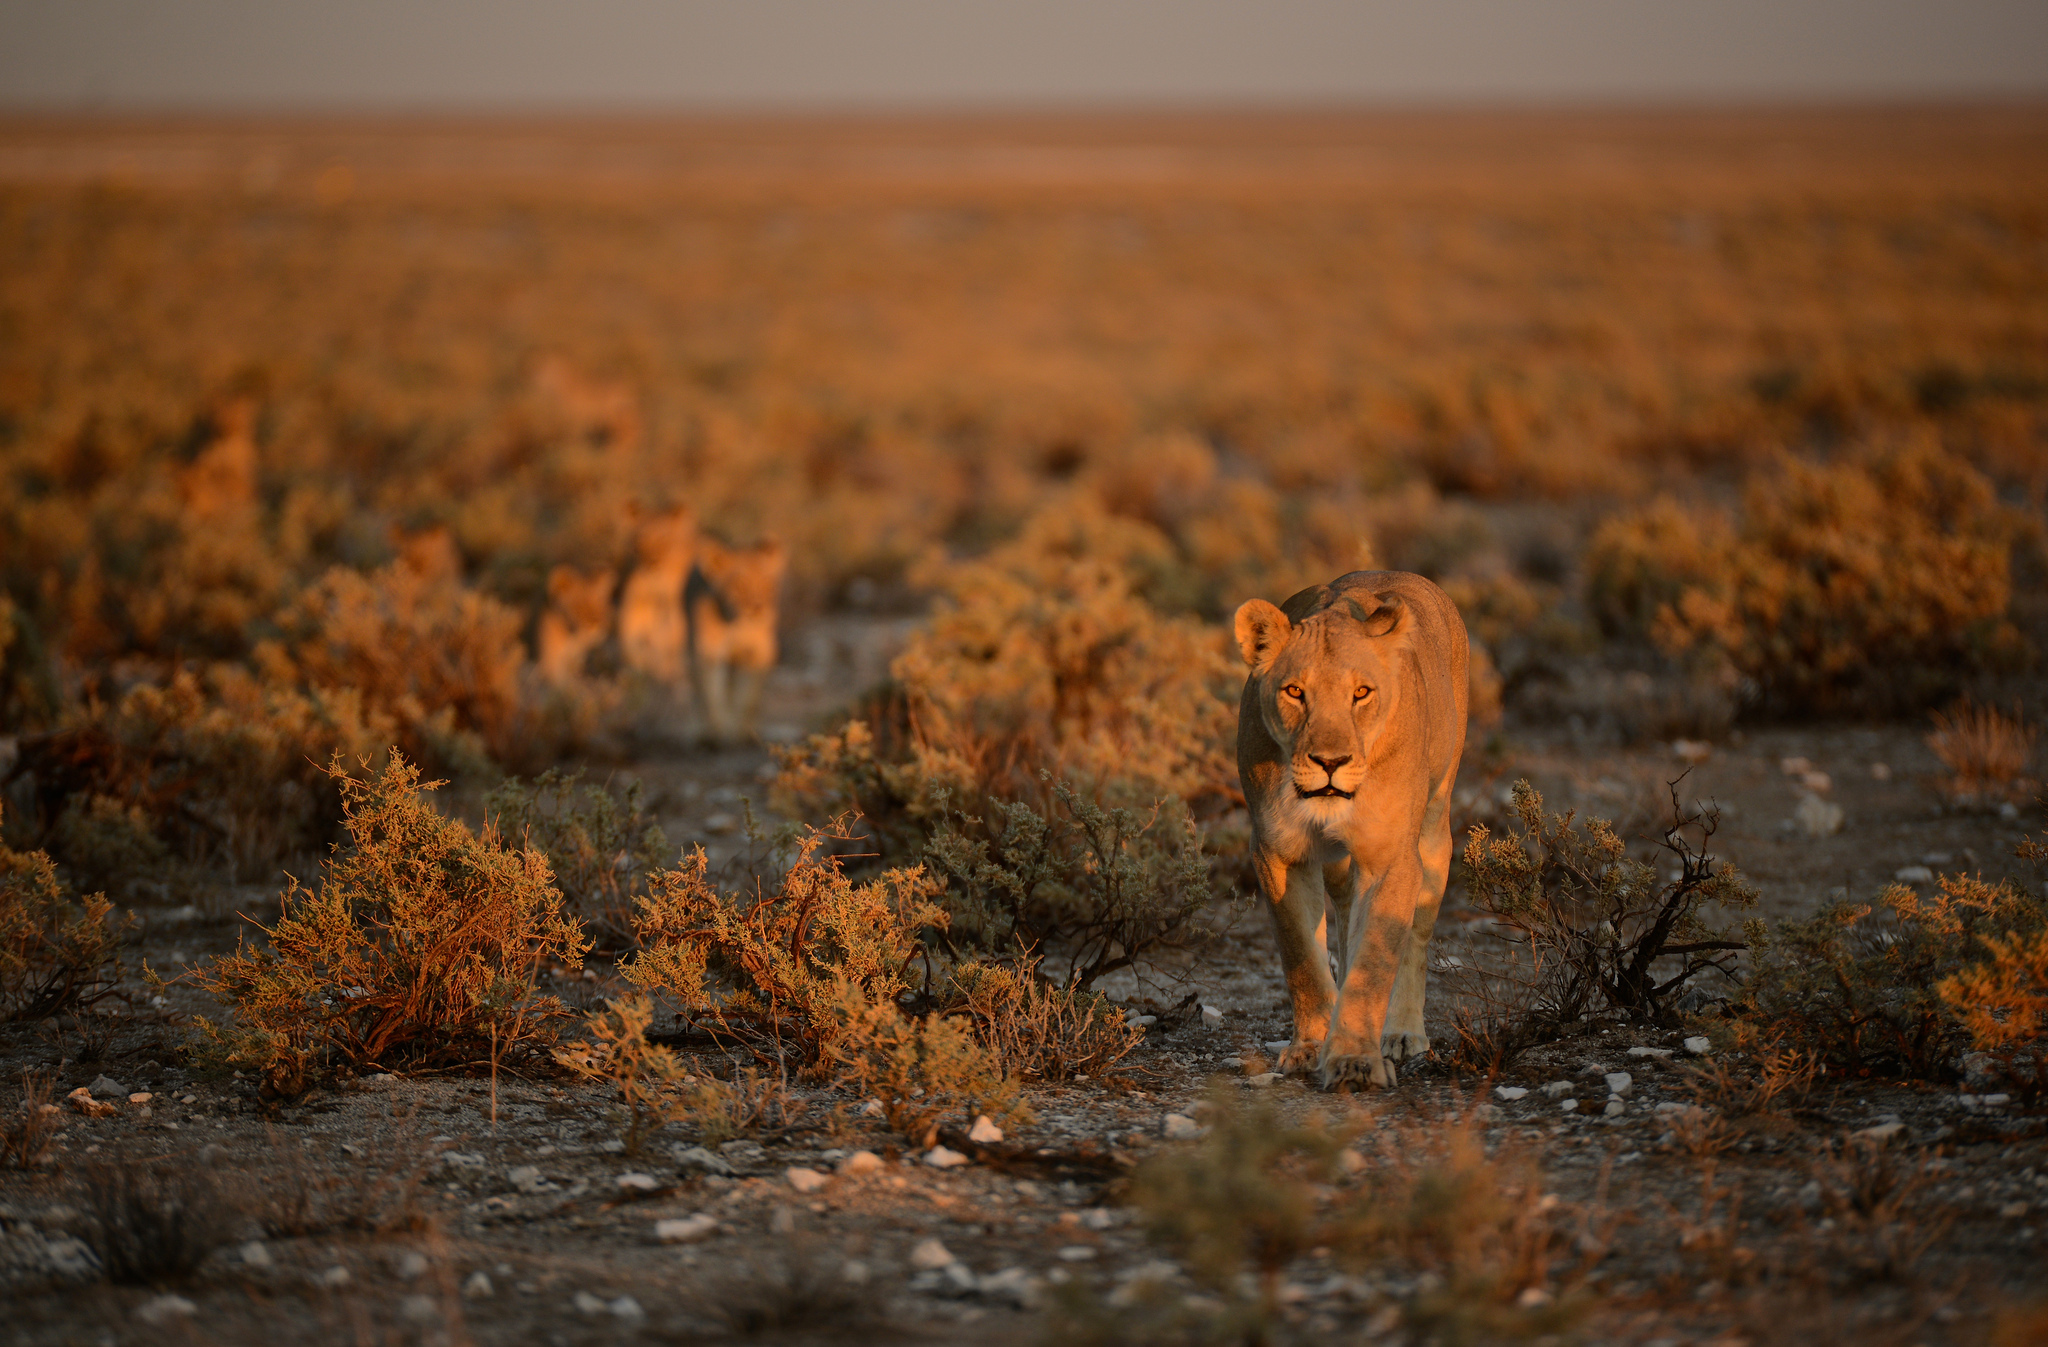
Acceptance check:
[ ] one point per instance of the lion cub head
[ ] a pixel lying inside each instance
(1324, 681)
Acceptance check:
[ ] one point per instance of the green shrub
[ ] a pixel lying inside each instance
(421, 946)
(57, 952)
(1863, 987)
(602, 846)
(1874, 582)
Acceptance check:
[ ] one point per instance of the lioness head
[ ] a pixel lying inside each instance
(1324, 687)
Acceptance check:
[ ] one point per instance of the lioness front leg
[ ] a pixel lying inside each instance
(1295, 896)
(1356, 1050)
(1405, 1038)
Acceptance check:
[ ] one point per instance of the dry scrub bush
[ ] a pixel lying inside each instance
(923, 1069)
(1863, 991)
(1037, 1030)
(1985, 752)
(1588, 931)
(2003, 1003)
(1880, 1223)
(601, 846)
(1105, 888)
(26, 1133)
(154, 1222)
(373, 1194)
(777, 962)
(57, 952)
(219, 766)
(420, 946)
(1873, 582)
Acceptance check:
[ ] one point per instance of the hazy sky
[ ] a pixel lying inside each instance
(642, 54)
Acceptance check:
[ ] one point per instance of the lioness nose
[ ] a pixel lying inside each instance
(1330, 765)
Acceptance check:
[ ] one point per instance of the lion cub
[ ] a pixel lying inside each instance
(1349, 735)
(731, 603)
(578, 618)
(651, 636)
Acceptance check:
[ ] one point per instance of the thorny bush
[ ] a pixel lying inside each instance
(1038, 1030)
(1590, 931)
(154, 1222)
(601, 843)
(57, 951)
(923, 1069)
(421, 945)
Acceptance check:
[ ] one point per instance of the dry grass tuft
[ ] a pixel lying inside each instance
(154, 1222)
(805, 1289)
(25, 1134)
(1983, 749)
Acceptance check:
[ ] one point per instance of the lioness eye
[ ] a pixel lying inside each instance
(1361, 694)
(1292, 691)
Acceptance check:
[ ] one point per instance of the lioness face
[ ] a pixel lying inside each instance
(1323, 691)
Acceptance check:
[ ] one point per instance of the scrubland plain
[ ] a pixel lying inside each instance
(338, 457)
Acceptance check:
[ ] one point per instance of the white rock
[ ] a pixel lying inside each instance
(942, 1157)
(930, 1254)
(334, 1278)
(1264, 1080)
(1817, 818)
(1557, 1089)
(861, 1162)
(1570, 1106)
(140, 1097)
(410, 1265)
(106, 1087)
(478, 1287)
(872, 1109)
(1211, 1017)
(1879, 1134)
(805, 1180)
(1101, 1218)
(462, 1160)
(2012, 1211)
(588, 1304)
(1659, 1053)
(1669, 1107)
(256, 1254)
(1913, 874)
(1615, 1107)
(1699, 1045)
(1013, 1285)
(526, 1178)
(696, 1157)
(638, 1183)
(1979, 1068)
(984, 1132)
(627, 1309)
(1510, 1092)
(854, 1272)
(1180, 1127)
(1279, 1045)
(160, 1310)
(419, 1309)
(1532, 1298)
(1620, 1084)
(1077, 1253)
(685, 1229)
(612, 1147)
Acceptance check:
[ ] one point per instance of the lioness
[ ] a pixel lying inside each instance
(1348, 740)
(578, 618)
(651, 637)
(732, 601)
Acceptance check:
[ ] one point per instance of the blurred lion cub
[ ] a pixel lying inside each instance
(730, 604)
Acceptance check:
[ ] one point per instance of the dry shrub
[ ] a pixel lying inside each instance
(924, 1070)
(25, 1134)
(776, 963)
(1735, 1095)
(154, 1222)
(602, 844)
(1711, 1234)
(376, 1194)
(801, 1288)
(2003, 1003)
(421, 945)
(218, 765)
(1588, 930)
(1862, 990)
(1105, 888)
(1873, 582)
(1985, 752)
(57, 951)
(1877, 1222)
(1038, 1030)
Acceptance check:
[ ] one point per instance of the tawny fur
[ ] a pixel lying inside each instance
(578, 618)
(651, 635)
(1359, 686)
(733, 601)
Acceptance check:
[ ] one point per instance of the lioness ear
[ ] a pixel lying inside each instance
(1262, 631)
(1381, 620)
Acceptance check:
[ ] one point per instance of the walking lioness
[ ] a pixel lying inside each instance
(1348, 741)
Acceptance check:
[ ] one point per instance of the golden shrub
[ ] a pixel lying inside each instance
(922, 1069)
(1982, 748)
(1036, 1029)
(422, 945)
(57, 951)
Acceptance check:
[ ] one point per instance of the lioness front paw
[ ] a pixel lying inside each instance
(1299, 1056)
(1358, 1068)
(1404, 1045)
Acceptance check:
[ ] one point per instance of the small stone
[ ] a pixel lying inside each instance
(160, 1310)
(1265, 1080)
(638, 1183)
(1510, 1092)
(1620, 1084)
(1880, 771)
(334, 1278)
(1615, 1107)
(1879, 1134)
(463, 1160)
(1570, 1106)
(2008, 811)
(106, 1087)
(1699, 1045)
(1211, 1017)
(256, 1254)
(81, 1099)
(929, 1255)
(1279, 1045)
(1532, 1298)
(1180, 1127)
(525, 1178)
(588, 1304)
(1658, 1054)
(140, 1097)
(478, 1287)
(1077, 1253)
(1557, 1089)
(872, 1109)
(685, 1229)
(1350, 1161)
(1694, 751)
(984, 1132)
(861, 1162)
(1913, 874)
(1817, 818)
(698, 1158)
(612, 1147)
(1979, 1068)
(2012, 1211)
(804, 1180)
(941, 1157)
(626, 1309)
(854, 1272)
(410, 1265)
(418, 1309)
(1819, 782)
(1013, 1285)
